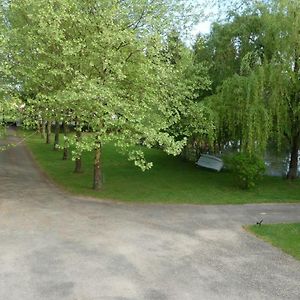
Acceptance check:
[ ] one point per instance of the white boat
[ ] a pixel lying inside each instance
(210, 162)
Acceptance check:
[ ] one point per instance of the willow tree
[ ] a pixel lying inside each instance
(100, 64)
(262, 102)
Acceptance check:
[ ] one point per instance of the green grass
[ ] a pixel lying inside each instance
(171, 180)
(284, 236)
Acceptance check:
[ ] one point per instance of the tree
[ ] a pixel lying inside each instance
(99, 63)
(261, 102)
(224, 48)
(195, 123)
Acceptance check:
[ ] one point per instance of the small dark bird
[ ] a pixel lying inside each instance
(259, 223)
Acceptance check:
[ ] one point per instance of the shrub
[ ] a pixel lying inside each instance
(248, 169)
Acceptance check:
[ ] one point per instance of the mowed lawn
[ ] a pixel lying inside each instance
(283, 236)
(171, 180)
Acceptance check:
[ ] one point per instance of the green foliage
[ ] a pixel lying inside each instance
(196, 122)
(257, 91)
(100, 64)
(248, 169)
(242, 115)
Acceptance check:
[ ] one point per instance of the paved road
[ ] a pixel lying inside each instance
(55, 246)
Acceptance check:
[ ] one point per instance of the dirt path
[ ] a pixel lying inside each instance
(54, 246)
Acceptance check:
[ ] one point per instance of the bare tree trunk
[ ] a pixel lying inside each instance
(56, 136)
(78, 165)
(97, 180)
(43, 129)
(66, 150)
(48, 137)
(78, 160)
(293, 167)
(38, 124)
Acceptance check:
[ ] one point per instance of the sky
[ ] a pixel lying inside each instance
(210, 9)
(202, 27)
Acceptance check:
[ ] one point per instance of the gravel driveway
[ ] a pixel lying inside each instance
(56, 246)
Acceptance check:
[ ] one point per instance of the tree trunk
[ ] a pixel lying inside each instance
(65, 153)
(78, 160)
(48, 137)
(56, 137)
(43, 130)
(78, 165)
(293, 167)
(66, 150)
(97, 180)
(39, 128)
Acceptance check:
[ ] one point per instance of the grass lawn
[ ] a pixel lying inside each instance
(284, 236)
(171, 180)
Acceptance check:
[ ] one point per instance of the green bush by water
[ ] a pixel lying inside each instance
(248, 169)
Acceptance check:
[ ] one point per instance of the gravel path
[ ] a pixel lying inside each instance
(55, 246)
